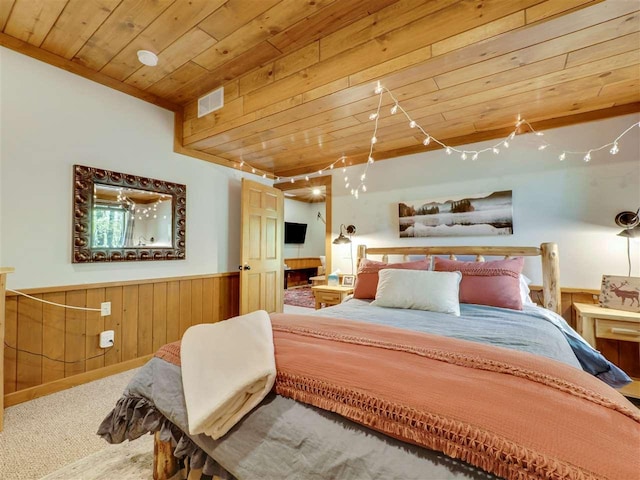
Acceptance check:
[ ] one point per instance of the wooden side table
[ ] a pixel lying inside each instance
(330, 295)
(597, 322)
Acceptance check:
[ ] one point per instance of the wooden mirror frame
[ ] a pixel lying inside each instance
(84, 180)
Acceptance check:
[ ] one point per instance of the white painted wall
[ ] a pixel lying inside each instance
(303, 212)
(51, 120)
(572, 203)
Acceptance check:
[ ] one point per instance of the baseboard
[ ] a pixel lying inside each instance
(73, 381)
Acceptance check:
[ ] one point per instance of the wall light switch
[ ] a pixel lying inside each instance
(105, 309)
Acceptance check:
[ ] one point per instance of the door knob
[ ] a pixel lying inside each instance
(247, 267)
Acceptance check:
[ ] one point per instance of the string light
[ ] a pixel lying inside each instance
(613, 146)
(464, 153)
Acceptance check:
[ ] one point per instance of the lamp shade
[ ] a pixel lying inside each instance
(630, 232)
(342, 239)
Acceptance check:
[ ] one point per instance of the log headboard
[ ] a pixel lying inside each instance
(547, 251)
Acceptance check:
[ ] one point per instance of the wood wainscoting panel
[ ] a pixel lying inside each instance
(11, 345)
(46, 344)
(626, 355)
(53, 337)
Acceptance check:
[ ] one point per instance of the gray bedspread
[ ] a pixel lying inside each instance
(284, 439)
(526, 330)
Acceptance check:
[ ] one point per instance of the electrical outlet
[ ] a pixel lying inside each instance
(107, 339)
(105, 309)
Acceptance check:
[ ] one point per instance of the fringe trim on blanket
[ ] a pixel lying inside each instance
(134, 416)
(469, 361)
(473, 445)
(170, 353)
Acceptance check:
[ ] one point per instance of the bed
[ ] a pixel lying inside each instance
(283, 438)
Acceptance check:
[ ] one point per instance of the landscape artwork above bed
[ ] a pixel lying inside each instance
(471, 215)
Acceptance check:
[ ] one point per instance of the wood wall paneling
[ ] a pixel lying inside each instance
(29, 368)
(145, 320)
(159, 315)
(11, 345)
(53, 337)
(48, 345)
(173, 311)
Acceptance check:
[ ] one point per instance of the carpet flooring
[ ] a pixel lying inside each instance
(48, 433)
(299, 297)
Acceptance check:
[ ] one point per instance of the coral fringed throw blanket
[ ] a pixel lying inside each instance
(514, 414)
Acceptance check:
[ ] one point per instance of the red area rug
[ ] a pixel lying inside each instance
(299, 297)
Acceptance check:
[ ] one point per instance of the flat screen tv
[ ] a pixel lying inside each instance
(294, 232)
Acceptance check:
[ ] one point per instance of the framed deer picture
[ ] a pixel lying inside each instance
(620, 293)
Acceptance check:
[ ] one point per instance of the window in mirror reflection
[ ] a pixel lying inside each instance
(129, 218)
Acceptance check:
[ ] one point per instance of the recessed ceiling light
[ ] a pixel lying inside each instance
(316, 191)
(147, 58)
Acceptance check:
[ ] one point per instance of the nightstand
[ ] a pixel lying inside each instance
(330, 295)
(596, 322)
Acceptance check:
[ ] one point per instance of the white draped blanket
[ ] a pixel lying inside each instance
(227, 369)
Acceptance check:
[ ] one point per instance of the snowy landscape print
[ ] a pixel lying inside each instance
(482, 214)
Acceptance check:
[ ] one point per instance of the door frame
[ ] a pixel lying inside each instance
(325, 181)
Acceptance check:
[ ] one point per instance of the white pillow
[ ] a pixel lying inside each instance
(419, 290)
(524, 290)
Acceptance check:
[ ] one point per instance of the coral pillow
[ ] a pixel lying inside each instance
(495, 283)
(367, 279)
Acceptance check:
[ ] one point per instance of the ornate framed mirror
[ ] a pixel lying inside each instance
(119, 217)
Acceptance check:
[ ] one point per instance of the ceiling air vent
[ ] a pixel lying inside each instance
(211, 102)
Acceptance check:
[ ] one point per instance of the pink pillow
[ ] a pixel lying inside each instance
(367, 279)
(495, 283)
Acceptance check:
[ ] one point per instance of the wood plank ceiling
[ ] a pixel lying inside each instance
(299, 75)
